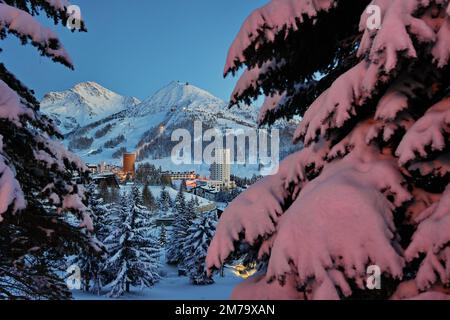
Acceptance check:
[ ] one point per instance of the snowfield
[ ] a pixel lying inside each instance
(173, 287)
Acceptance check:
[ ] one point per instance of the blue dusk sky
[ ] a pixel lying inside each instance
(135, 47)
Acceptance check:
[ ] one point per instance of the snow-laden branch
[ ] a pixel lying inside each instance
(396, 99)
(338, 104)
(27, 27)
(11, 107)
(342, 219)
(399, 28)
(432, 238)
(10, 191)
(441, 50)
(271, 103)
(265, 23)
(55, 154)
(438, 167)
(250, 80)
(429, 132)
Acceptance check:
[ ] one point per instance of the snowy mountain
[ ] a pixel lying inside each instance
(147, 127)
(83, 104)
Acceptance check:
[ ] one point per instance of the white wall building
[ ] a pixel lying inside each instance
(221, 168)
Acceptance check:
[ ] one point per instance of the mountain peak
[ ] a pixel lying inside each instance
(91, 88)
(178, 95)
(88, 84)
(86, 102)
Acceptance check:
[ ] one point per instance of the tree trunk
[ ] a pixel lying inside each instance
(127, 286)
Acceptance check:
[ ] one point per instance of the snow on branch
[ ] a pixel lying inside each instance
(386, 129)
(55, 154)
(438, 167)
(400, 28)
(338, 104)
(271, 103)
(432, 238)
(59, 5)
(250, 80)
(429, 132)
(365, 156)
(10, 191)
(395, 36)
(256, 212)
(26, 27)
(11, 107)
(397, 97)
(441, 50)
(286, 103)
(74, 202)
(342, 220)
(266, 22)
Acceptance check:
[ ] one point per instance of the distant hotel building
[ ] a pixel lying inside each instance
(190, 175)
(221, 170)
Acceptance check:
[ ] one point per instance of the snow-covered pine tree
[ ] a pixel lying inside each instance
(43, 215)
(178, 232)
(114, 195)
(92, 263)
(163, 236)
(371, 186)
(192, 206)
(185, 213)
(198, 238)
(134, 251)
(164, 201)
(148, 198)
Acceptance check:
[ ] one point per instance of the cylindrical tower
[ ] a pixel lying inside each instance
(129, 161)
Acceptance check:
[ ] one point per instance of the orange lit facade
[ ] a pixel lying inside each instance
(129, 164)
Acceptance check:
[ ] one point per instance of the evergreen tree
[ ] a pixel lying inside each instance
(41, 207)
(184, 215)
(198, 238)
(114, 195)
(371, 185)
(180, 202)
(197, 202)
(149, 199)
(170, 201)
(134, 252)
(92, 263)
(192, 207)
(163, 236)
(165, 202)
(178, 232)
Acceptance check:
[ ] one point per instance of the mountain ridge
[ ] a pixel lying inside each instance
(146, 127)
(86, 102)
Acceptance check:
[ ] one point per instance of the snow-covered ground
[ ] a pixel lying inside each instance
(173, 287)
